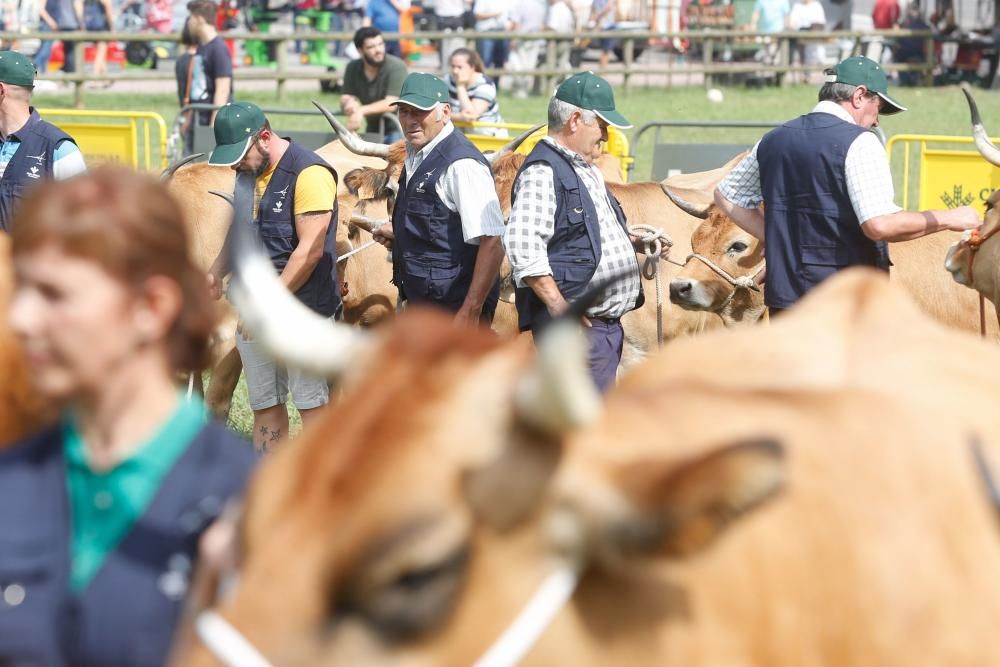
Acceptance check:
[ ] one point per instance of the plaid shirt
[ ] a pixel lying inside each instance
(866, 167)
(532, 223)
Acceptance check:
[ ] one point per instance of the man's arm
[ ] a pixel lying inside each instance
(869, 186)
(311, 230)
(315, 192)
(484, 275)
(67, 161)
(907, 225)
(78, 11)
(750, 220)
(223, 85)
(739, 195)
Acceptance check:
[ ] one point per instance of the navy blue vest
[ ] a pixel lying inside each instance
(127, 615)
(30, 165)
(431, 262)
(276, 228)
(811, 230)
(575, 246)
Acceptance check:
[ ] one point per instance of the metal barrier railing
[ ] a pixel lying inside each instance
(658, 125)
(711, 43)
(130, 142)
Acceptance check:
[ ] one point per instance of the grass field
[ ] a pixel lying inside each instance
(938, 111)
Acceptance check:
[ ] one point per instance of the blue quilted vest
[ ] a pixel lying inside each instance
(575, 247)
(30, 165)
(431, 262)
(276, 228)
(127, 615)
(811, 229)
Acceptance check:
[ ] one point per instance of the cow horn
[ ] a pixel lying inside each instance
(558, 394)
(223, 195)
(353, 142)
(983, 143)
(685, 205)
(366, 223)
(515, 143)
(288, 330)
(168, 173)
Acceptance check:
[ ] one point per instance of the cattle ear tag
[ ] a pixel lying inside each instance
(694, 502)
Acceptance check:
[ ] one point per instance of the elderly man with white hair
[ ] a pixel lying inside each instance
(447, 223)
(567, 232)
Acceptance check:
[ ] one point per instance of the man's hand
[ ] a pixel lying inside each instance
(214, 286)
(354, 121)
(963, 218)
(557, 308)
(640, 246)
(349, 104)
(384, 236)
(468, 316)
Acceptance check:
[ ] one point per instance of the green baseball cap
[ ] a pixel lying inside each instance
(235, 125)
(16, 69)
(862, 71)
(589, 91)
(422, 91)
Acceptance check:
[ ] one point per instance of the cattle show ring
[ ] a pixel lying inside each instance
(819, 487)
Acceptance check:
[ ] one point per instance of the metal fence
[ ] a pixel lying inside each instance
(710, 44)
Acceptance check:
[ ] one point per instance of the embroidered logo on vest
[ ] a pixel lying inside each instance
(281, 202)
(33, 173)
(420, 185)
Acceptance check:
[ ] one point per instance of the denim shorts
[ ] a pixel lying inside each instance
(268, 383)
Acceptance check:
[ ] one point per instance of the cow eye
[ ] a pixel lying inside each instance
(413, 601)
(737, 246)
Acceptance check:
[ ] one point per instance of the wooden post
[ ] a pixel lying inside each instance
(784, 60)
(79, 65)
(706, 59)
(629, 59)
(551, 62)
(282, 59)
(929, 61)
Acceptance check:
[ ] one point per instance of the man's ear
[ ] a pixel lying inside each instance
(682, 508)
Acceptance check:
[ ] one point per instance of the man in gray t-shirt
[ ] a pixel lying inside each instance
(371, 84)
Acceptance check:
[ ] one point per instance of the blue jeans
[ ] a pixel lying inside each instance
(41, 59)
(494, 53)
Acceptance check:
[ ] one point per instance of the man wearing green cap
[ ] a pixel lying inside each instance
(567, 232)
(296, 219)
(826, 188)
(32, 150)
(447, 223)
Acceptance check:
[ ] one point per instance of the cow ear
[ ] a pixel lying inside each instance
(506, 489)
(683, 509)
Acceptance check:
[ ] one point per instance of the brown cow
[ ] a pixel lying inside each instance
(812, 500)
(718, 239)
(974, 260)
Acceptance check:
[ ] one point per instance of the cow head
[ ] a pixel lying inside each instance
(415, 522)
(972, 261)
(732, 293)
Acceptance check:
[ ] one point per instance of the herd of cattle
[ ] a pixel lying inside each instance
(816, 491)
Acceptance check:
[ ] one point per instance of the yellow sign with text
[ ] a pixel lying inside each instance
(102, 143)
(952, 178)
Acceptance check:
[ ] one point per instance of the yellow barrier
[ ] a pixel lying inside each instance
(948, 178)
(134, 138)
(617, 144)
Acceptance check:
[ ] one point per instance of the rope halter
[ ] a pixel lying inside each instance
(747, 282)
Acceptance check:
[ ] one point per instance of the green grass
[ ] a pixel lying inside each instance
(940, 111)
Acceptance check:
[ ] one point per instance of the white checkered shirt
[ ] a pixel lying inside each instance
(869, 181)
(532, 223)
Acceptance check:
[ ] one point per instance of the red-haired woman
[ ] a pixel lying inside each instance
(100, 515)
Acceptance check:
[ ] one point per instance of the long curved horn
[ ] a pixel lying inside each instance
(685, 205)
(353, 142)
(223, 195)
(515, 143)
(558, 394)
(283, 325)
(983, 143)
(168, 173)
(366, 223)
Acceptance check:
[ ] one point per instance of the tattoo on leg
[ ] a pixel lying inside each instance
(263, 430)
(275, 435)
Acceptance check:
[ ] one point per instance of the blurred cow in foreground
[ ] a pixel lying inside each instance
(807, 494)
